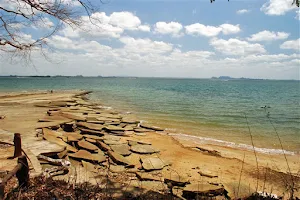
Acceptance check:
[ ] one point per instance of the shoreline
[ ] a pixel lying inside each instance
(202, 140)
(184, 155)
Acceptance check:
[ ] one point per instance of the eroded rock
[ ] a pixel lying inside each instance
(143, 149)
(192, 191)
(119, 159)
(86, 145)
(153, 163)
(155, 128)
(144, 176)
(83, 154)
(122, 149)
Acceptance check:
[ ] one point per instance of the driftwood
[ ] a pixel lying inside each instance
(58, 162)
(55, 171)
(22, 173)
(210, 152)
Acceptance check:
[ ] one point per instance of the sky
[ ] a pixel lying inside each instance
(172, 38)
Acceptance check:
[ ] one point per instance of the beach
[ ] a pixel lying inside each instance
(199, 163)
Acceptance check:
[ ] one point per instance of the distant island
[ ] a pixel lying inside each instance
(231, 78)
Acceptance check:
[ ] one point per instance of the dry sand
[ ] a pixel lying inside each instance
(21, 116)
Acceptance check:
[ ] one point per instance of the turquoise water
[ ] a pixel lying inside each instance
(212, 110)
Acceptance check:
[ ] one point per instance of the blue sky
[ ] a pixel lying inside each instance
(174, 38)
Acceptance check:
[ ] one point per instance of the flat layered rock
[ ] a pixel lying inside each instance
(117, 123)
(94, 137)
(83, 154)
(96, 127)
(95, 122)
(192, 191)
(54, 119)
(111, 137)
(140, 134)
(148, 177)
(122, 149)
(91, 140)
(91, 132)
(155, 128)
(143, 149)
(114, 142)
(141, 130)
(117, 168)
(176, 180)
(107, 115)
(151, 185)
(89, 166)
(72, 116)
(128, 128)
(113, 128)
(133, 142)
(153, 163)
(54, 124)
(73, 137)
(48, 132)
(104, 119)
(103, 146)
(117, 133)
(86, 145)
(119, 159)
(51, 136)
(130, 121)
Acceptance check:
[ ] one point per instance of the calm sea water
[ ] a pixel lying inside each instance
(206, 111)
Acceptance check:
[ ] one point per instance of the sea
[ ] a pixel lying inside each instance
(206, 111)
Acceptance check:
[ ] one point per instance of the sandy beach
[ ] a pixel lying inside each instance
(198, 164)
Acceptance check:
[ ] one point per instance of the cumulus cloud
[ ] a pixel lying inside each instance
(230, 29)
(277, 7)
(200, 29)
(110, 26)
(268, 36)
(145, 45)
(236, 47)
(211, 31)
(291, 44)
(146, 57)
(171, 28)
(243, 11)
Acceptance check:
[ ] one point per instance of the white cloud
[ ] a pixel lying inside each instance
(291, 44)
(268, 36)
(172, 28)
(125, 20)
(145, 45)
(110, 26)
(200, 29)
(145, 28)
(236, 47)
(230, 29)
(211, 31)
(44, 23)
(145, 57)
(277, 7)
(243, 11)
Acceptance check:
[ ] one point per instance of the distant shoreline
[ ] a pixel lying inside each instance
(221, 78)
